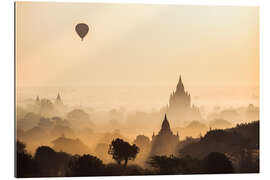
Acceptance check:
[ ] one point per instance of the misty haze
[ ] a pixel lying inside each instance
(148, 89)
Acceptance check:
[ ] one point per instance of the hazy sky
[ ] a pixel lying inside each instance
(139, 45)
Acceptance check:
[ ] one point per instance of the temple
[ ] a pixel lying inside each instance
(58, 100)
(165, 142)
(179, 108)
(37, 102)
(47, 107)
(180, 99)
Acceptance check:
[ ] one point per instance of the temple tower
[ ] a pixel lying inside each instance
(165, 142)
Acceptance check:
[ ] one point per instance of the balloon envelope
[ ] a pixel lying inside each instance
(82, 29)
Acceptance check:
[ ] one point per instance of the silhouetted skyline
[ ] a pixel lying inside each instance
(136, 89)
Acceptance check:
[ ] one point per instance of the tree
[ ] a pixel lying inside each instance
(248, 161)
(142, 141)
(113, 169)
(72, 146)
(122, 151)
(46, 157)
(86, 165)
(20, 147)
(50, 162)
(61, 163)
(165, 165)
(79, 118)
(175, 165)
(26, 165)
(217, 163)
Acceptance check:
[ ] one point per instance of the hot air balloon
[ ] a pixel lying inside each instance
(82, 29)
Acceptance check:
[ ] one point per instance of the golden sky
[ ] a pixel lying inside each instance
(137, 45)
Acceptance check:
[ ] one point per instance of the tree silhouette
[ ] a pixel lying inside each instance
(216, 141)
(26, 165)
(217, 163)
(122, 151)
(50, 162)
(20, 147)
(249, 162)
(79, 118)
(142, 141)
(86, 165)
(45, 157)
(175, 165)
(165, 165)
(61, 162)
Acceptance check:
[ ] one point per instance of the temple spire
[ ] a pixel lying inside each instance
(58, 100)
(37, 100)
(165, 125)
(58, 97)
(180, 86)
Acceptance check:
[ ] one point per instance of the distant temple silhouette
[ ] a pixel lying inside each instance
(37, 102)
(58, 100)
(180, 99)
(179, 107)
(165, 142)
(45, 106)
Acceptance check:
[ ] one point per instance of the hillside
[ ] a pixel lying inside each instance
(229, 141)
